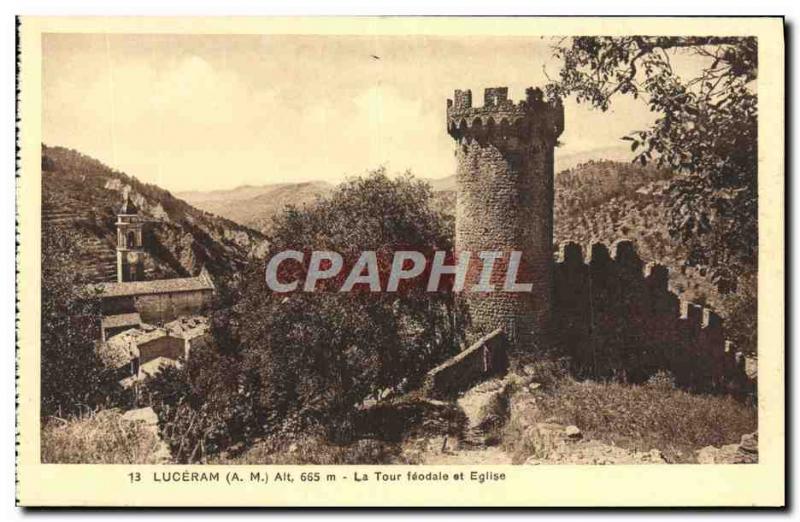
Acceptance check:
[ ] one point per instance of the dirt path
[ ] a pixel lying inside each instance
(478, 456)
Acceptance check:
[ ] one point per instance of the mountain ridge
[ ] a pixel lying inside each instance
(84, 195)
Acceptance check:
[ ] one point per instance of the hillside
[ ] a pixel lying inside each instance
(254, 206)
(603, 201)
(81, 193)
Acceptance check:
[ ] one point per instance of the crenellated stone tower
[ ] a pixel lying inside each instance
(130, 249)
(505, 203)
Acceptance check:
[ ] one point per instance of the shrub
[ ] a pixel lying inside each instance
(315, 450)
(643, 417)
(313, 357)
(203, 406)
(72, 376)
(547, 371)
(98, 438)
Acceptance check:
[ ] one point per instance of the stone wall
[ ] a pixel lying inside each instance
(486, 358)
(164, 346)
(617, 318)
(161, 308)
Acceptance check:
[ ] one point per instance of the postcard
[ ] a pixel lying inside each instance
(400, 261)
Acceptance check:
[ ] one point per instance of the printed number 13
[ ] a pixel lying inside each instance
(135, 476)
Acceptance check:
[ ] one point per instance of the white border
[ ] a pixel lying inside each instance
(317, 7)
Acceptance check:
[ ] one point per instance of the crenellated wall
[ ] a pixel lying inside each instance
(617, 318)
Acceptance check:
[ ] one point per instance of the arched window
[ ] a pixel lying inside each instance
(131, 242)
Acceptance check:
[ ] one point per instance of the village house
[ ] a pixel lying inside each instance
(142, 351)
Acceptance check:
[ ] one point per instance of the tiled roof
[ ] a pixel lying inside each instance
(158, 286)
(188, 327)
(158, 333)
(113, 321)
(118, 350)
(151, 336)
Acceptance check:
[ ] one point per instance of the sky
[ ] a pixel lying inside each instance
(209, 112)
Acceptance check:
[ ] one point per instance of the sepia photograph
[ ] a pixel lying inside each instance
(423, 249)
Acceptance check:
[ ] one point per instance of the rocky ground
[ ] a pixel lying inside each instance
(505, 426)
(746, 452)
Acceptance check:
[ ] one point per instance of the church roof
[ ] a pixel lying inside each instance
(158, 286)
(113, 321)
(127, 206)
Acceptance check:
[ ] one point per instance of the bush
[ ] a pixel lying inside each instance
(98, 438)
(203, 406)
(72, 376)
(311, 358)
(547, 371)
(315, 450)
(643, 417)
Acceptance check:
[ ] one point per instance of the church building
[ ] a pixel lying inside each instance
(132, 301)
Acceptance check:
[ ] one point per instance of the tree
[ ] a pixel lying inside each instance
(316, 356)
(72, 377)
(706, 131)
(203, 405)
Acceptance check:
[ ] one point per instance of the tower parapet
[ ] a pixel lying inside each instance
(500, 117)
(505, 203)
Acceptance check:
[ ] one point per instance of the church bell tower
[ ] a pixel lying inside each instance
(130, 253)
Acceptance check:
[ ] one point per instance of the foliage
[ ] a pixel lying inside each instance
(201, 405)
(654, 415)
(591, 184)
(706, 131)
(742, 321)
(72, 377)
(98, 438)
(315, 450)
(304, 361)
(313, 357)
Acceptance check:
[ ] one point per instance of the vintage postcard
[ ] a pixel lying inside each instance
(400, 262)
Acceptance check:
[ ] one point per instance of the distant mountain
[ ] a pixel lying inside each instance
(238, 193)
(83, 194)
(565, 160)
(254, 206)
(443, 184)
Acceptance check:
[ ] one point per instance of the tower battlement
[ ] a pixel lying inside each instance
(503, 117)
